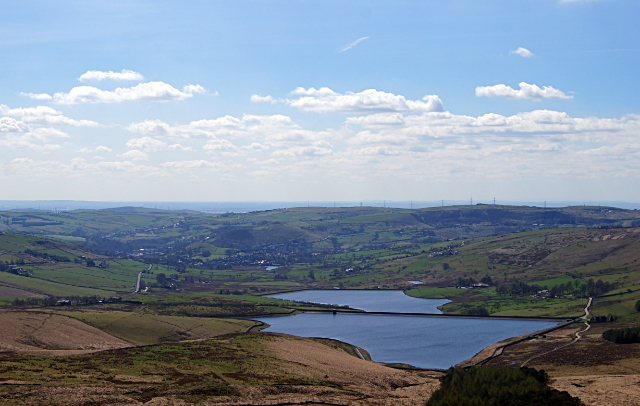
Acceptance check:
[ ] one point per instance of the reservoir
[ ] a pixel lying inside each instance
(368, 300)
(427, 342)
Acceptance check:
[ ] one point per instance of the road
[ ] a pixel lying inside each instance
(576, 334)
(139, 276)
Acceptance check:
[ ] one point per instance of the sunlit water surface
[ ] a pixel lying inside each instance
(427, 342)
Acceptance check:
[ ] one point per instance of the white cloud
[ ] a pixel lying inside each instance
(100, 148)
(183, 165)
(8, 124)
(135, 155)
(191, 89)
(44, 115)
(352, 44)
(150, 91)
(11, 141)
(37, 96)
(146, 143)
(178, 147)
(36, 139)
(325, 99)
(269, 129)
(379, 150)
(256, 146)
(427, 146)
(59, 120)
(38, 111)
(266, 99)
(523, 52)
(377, 119)
(218, 145)
(44, 134)
(320, 148)
(99, 75)
(526, 91)
(27, 167)
(150, 127)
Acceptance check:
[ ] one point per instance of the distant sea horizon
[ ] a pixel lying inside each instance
(251, 206)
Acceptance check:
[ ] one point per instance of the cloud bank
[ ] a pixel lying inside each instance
(150, 91)
(526, 91)
(326, 100)
(37, 96)
(99, 75)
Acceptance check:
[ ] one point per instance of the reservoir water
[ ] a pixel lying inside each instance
(427, 342)
(368, 300)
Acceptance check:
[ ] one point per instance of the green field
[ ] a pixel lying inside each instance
(322, 248)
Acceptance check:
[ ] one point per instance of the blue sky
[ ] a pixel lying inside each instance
(320, 100)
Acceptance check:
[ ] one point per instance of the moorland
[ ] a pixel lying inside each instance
(73, 312)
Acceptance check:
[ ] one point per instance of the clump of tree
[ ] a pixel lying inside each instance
(604, 319)
(487, 280)
(577, 288)
(622, 335)
(491, 386)
(57, 258)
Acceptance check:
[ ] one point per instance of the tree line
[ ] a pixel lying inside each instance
(622, 335)
(577, 287)
(53, 300)
(57, 258)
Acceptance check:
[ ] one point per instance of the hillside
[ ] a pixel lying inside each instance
(241, 369)
(203, 275)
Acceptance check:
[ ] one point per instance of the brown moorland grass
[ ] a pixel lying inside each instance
(47, 332)
(602, 390)
(145, 329)
(236, 369)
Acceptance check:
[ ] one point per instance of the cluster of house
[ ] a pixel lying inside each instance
(544, 294)
(18, 271)
(445, 252)
(474, 286)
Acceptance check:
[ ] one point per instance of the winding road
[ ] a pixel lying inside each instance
(576, 334)
(139, 276)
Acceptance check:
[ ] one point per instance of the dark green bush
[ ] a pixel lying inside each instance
(491, 386)
(622, 335)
